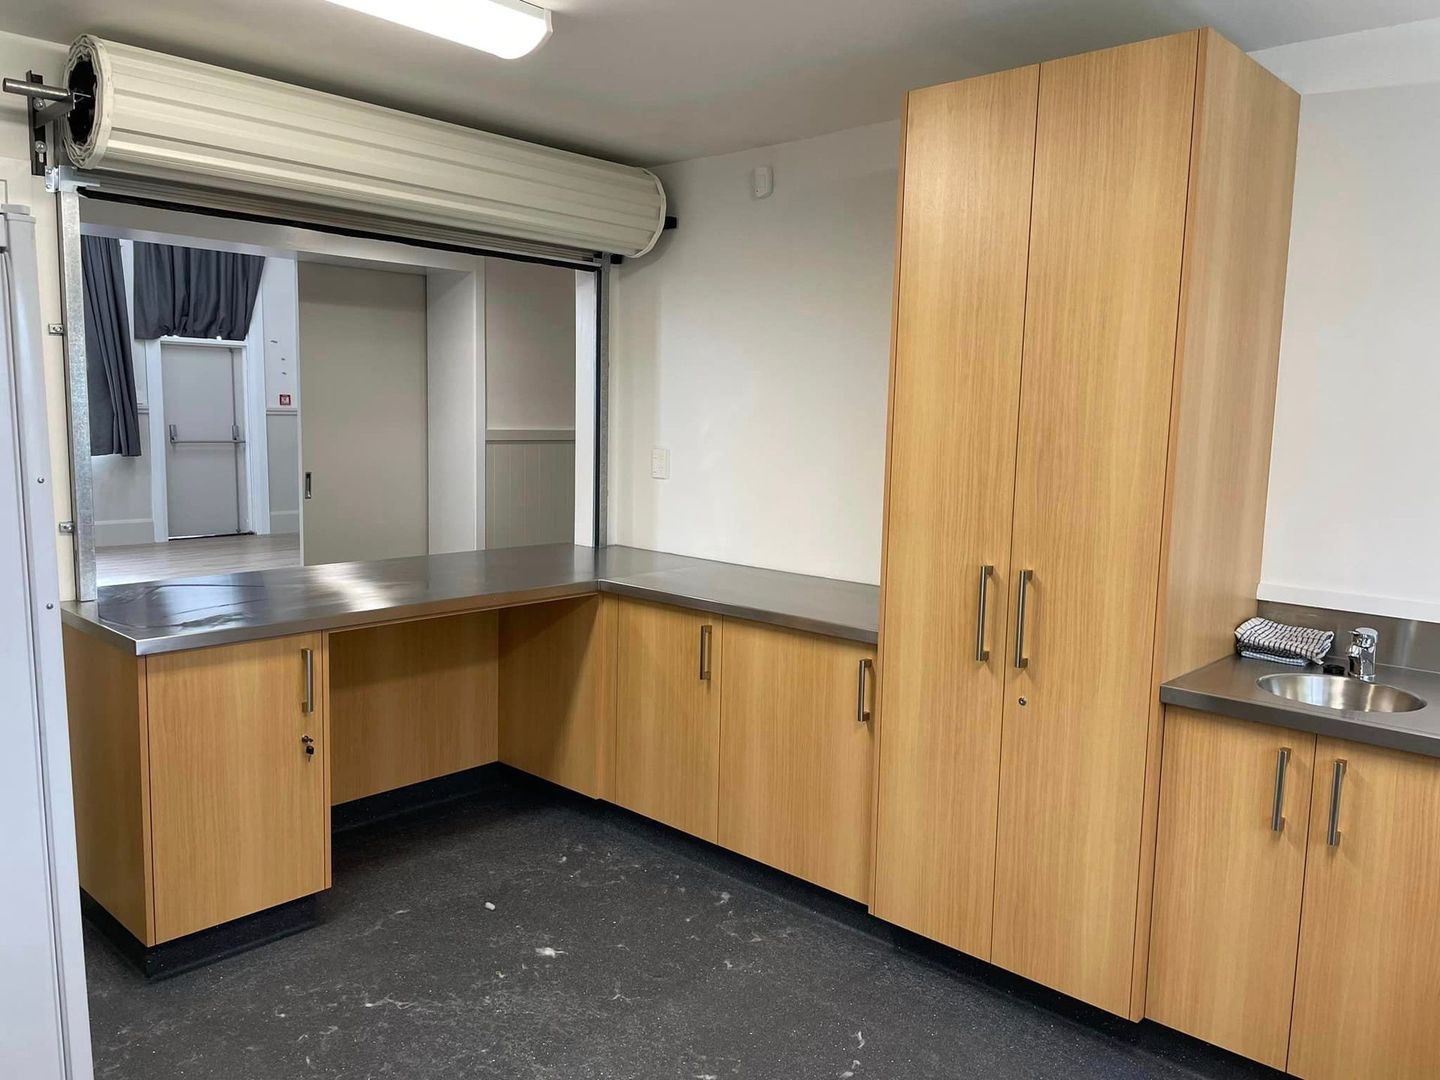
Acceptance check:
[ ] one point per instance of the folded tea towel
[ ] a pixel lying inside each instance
(1262, 639)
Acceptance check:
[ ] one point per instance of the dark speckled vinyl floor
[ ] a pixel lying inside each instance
(526, 934)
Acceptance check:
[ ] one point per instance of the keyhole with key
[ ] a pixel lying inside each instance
(309, 745)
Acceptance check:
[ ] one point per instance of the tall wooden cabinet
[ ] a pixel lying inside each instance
(1089, 285)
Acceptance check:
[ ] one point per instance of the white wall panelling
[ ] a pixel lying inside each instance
(530, 487)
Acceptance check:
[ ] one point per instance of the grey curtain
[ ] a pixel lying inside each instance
(190, 292)
(110, 369)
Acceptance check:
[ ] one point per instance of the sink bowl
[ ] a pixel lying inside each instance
(1341, 692)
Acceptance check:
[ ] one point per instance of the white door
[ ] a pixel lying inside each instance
(205, 450)
(363, 401)
(44, 1028)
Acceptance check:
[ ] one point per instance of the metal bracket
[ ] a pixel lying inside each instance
(67, 527)
(44, 105)
(55, 329)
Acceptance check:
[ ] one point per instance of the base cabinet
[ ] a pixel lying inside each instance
(667, 715)
(239, 809)
(796, 754)
(1229, 873)
(1367, 991)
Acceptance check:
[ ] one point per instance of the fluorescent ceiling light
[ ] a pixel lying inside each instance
(505, 28)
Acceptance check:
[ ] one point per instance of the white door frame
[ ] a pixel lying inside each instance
(249, 354)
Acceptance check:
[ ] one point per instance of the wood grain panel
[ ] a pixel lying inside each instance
(557, 692)
(109, 766)
(795, 762)
(1111, 167)
(412, 701)
(955, 380)
(1226, 918)
(1231, 301)
(1369, 976)
(1232, 291)
(667, 718)
(240, 813)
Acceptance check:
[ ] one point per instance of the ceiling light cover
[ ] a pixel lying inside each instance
(505, 28)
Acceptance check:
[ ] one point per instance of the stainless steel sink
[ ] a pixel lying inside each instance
(1341, 692)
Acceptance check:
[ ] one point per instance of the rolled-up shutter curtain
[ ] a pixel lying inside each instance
(164, 118)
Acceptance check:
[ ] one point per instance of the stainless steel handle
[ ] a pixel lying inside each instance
(705, 652)
(173, 433)
(1337, 784)
(309, 657)
(307, 485)
(981, 652)
(862, 693)
(1021, 660)
(1277, 806)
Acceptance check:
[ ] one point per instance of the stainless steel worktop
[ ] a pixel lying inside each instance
(190, 613)
(1229, 687)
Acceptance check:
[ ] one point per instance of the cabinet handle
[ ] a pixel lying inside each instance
(862, 694)
(705, 653)
(1337, 784)
(1021, 660)
(309, 657)
(982, 654)
(1277, 808)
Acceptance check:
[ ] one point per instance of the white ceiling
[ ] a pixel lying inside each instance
(649, 81)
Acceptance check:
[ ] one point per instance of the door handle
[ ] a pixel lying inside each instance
(1337, 786)
(308, 655)
(174, 435)
(862, 693)
(705, 653)
(1277, 805)
(307, 485)
(1021, 660)
(982, 654)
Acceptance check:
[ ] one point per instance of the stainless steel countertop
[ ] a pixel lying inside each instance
(191, 613)
(1228, 687)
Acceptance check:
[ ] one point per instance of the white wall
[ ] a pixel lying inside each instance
(455, 384)
(753, 344)
(1354, 504)
(278, 311)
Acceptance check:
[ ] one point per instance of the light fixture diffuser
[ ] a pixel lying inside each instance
(505, 28)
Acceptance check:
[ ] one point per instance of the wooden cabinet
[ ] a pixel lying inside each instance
(1063, 432)
(959, 320)
(1229, 873)
(795, 754)
(1368, 983)
(201, 780)
(239, 811)
(667, 715)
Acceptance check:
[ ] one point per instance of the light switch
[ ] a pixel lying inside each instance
(660, 463)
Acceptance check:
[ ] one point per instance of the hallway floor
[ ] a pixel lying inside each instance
(524, 934)
(190, 558)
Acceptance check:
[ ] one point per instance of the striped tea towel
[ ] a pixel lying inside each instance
(1262, 639)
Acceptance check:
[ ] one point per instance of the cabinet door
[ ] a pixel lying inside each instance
(1112, 154)
(1229, 871)
(955, 383)
(795, 754)
(667, 715)
(1368, 987)
(240, 814)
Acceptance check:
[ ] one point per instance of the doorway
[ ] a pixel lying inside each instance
(205, 468)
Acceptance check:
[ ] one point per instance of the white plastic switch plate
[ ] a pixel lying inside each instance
(660, 463)
(762, 181)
